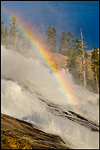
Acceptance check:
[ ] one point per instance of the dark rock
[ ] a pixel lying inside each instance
(19, 134)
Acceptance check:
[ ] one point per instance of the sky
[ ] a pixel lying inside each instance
(65, 16)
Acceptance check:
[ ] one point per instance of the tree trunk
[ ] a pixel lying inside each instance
(83, 62)
(97, 87)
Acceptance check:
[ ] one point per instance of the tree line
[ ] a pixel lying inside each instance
(72, 48)
(14, 38)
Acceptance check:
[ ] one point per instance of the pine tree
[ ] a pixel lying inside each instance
(73, 66)
(13, 32)
(2, 32)
(63, 44)
(85, 55)
(13, 27)
(70, 44)
(95, 67)
(78, 47)
(53, 40)
(50, 39)
(72, 63)
(6, 36)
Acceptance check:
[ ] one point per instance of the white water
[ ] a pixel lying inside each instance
(18, 102)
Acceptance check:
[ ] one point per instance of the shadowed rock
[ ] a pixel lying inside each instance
(18, 134)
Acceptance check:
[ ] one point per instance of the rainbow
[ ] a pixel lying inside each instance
(40, 49)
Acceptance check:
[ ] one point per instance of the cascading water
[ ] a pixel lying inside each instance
(30, 92)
